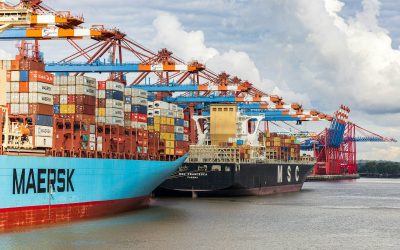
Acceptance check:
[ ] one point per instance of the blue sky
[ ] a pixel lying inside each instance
(321, 53)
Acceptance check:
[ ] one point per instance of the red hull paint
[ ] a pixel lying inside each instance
(13, 218)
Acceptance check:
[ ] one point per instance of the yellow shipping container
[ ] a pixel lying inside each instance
(164, 120)
(71, 108)
(101, 112)
(268, 144)
(287, 141)
(157, 127)
(170, 151)
(172, 136)
(171, 121)
(64, 108)
(156, 120)
(170, 144)
(163, 136)
(223, 125)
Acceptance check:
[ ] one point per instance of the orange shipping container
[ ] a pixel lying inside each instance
(40, 76)
(24, 87)
(14, 65)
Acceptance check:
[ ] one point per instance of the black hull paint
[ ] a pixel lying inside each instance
(235, 180)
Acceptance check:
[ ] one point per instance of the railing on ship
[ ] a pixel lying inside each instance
(215, 154)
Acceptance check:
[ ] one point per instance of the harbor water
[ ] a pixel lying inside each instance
(360, 214)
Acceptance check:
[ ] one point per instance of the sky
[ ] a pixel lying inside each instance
(321, 53)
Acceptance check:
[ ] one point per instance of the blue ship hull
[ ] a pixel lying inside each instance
(40, 190)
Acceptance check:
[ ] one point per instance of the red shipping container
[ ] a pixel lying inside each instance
(138, 117)
(143, 134)
(186, 130)
(101, 103)
(88, 119)
(71, 99)
(31, 65)
(24, 87)
(85, 100)
(40, 109)
(127, 116)
(179, 151)
(142, 118)
(85, 110)
(56, 99)
(40, 76)
(101, 85)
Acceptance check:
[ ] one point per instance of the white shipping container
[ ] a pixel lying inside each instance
(186, 137)
(99, 147)
(39, 87)
(161, 105)
(43, 142)
(110, 85)
(14, 98)
(179, 129)
(63, 99)
(14, 108)
(139, 125)
(8, 87)
(86, 81)
(24, 109)
(128, 123)
(85, 90)
(128, 91)
(150, 113)
(92, 129)
(63, 90)
(150, 105)
(127, 108)
(111, 103)
(180, 109)
(164, 112)
(92, 146)
(6, 64)
(100, 119)
(101, 94)
(139, 93)
(64, 80)
(41, 98)
(186, 124)
(15, 76)
(115, 120)
(180, 115)
(56, 90)
(157, 112)
(71, 90)
(114, 112)
(43, 131)
(8, 97)
(139, 101)
(24, 98)
(92, 138)
(173, 107)
(71, 81)
(14, 86)
(99, 139)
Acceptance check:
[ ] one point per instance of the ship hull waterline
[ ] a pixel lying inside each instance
(44, 190)
(239, 180)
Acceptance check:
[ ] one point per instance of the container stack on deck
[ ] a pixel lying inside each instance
(281, 147)
(29, 97)
(75, 116)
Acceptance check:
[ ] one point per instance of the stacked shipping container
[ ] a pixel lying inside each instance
(29, 94)
(75, 115)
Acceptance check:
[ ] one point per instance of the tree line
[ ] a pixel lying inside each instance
(379, 168)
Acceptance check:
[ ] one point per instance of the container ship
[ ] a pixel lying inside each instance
(72, 147)
(233, 158)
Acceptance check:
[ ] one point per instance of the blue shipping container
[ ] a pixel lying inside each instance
(179, 137)
(150, 121)
(56, 109)
(128, 99)
(179, 122)
(239, 142)
(114, 94)
(44, 120)
(118, 95)
(24, 76)
(139, 109)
